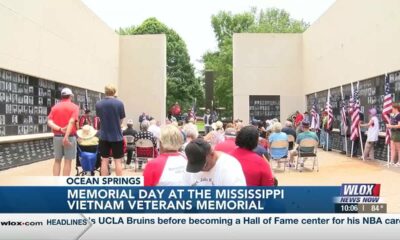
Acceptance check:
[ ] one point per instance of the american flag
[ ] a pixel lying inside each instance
(329, 111)
(314, 115)
(192, 113)
(387, 107)
(355, 115)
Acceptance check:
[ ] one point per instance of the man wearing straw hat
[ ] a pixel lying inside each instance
(88, 142)
(87, 136)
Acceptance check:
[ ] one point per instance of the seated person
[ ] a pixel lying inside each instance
(289, 130)
(88, 142)
(145, 134)
(129, 131)
(256, 170)
(277, 135)
(229, 144)
(169, 167)
(207, 167)
(306, 134)
(191, 133)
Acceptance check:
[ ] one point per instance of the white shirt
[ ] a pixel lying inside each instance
(155, 130)
(373, 130)
(173, 171)
(226, 172)
(207, 120)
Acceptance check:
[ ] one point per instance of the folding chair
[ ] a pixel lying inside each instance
(308, 143)
(279, 145)
(144, 149)
(291, 140)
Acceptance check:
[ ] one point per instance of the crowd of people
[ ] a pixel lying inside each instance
(228, 154)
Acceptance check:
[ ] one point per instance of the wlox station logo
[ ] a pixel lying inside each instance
(20, 224)
(360, 193)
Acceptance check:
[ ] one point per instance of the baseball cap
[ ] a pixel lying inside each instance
(196, 153)
(66, 92)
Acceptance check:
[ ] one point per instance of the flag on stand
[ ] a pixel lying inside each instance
(314, 115)
(343, 115)
(355, 115)
(387, 108)
(328, 109)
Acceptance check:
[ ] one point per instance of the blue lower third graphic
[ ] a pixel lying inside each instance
(168, 199)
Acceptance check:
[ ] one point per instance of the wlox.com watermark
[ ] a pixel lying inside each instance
(20, 223)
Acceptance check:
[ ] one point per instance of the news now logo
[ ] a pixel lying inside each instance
(19, 224)
(360, 193)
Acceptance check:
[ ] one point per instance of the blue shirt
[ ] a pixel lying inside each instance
(277, 153)
(260, 150)
(110, 111)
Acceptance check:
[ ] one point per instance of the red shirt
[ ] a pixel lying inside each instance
(256, 170)
(176, 110)
(226, 146)
(84, 120)
(62, 112)
(299, 119)
(168, 169)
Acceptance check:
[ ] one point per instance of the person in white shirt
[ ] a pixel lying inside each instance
(207, 167)
(191, 133)
(156, 130)
(372, 133)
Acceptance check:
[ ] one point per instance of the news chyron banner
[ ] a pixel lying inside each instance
(121, 208)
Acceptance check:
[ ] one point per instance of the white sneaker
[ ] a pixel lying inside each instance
(397, 165)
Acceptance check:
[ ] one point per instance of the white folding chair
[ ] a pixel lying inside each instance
(144, 149)
(279, 145)
(308, 143)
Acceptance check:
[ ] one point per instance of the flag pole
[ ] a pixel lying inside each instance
(344, 124)
(327, 109)
(361, 143)
(388, 156)
(352, 147)
(359, 131)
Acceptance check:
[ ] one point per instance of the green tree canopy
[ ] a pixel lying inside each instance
(182, 85)
(225, 24)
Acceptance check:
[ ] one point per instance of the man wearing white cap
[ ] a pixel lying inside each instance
(62, 120)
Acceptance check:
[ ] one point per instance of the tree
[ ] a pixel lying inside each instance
(182, 85)
(224, 25)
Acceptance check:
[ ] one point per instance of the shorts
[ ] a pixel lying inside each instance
(111, 149)
(61, 151)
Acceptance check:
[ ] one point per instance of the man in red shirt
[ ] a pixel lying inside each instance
(299, 118)
(256, 170)
(229, 144)
(62, 120)
(176, 110)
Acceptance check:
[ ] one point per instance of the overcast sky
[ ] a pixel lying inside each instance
(192, 18)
